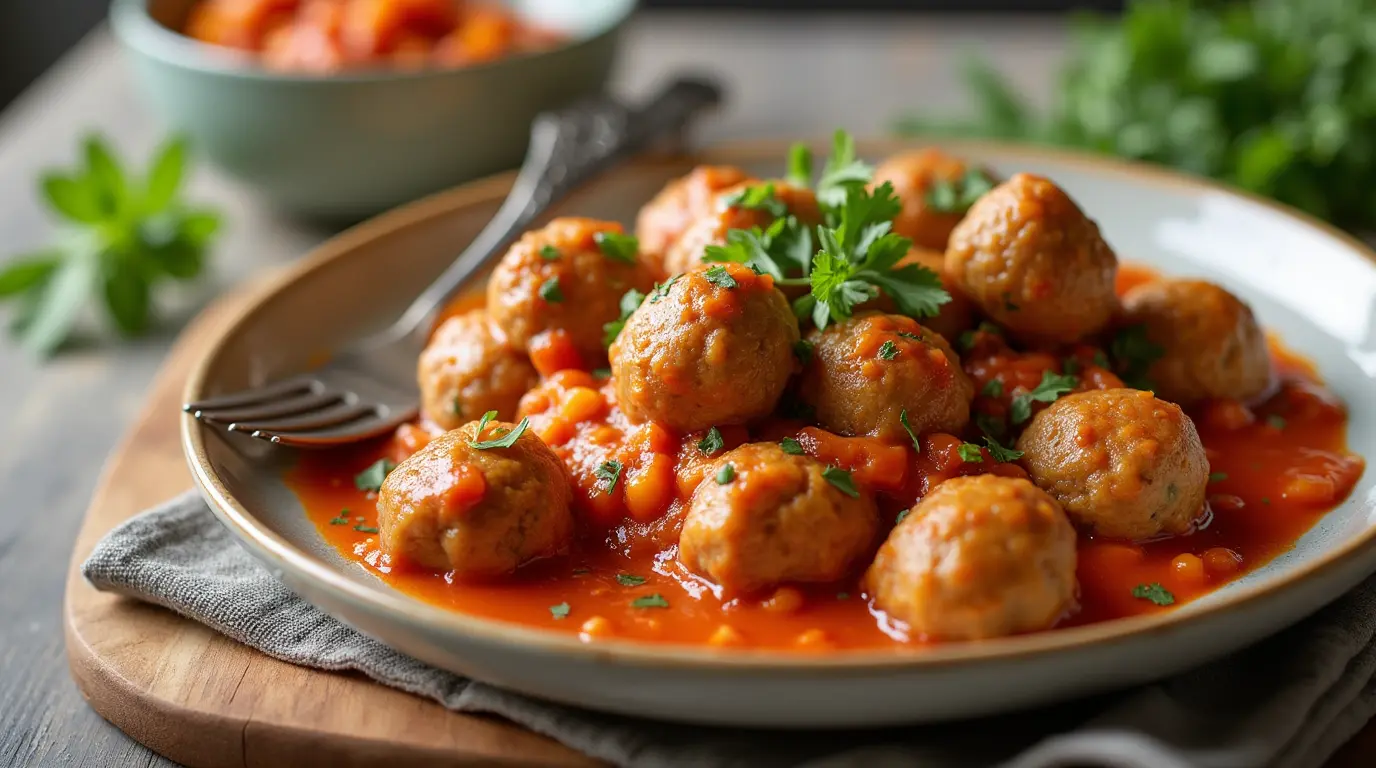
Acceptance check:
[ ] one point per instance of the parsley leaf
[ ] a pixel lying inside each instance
(1153, 592)
(992, 388)
(843, 171)
(655, 600)
(903, 419)
(759, 197)
(662, 289)
(957, 195)
(610, 473)
(802, 349)
(791, 447)
(504, 441)
(1134, 354)
(361, 528)
(991, 425)
(888, 350)
(800, 165)
(842, 480)
(630, 302)
(560, 611)
(998, 452)
(342, 519)
(903, 515)
(618, 247)
(1275, 422)
(550, 291)
(371, 478)
(719, 277)
(549, 253)
(629, 579)
(711, 442)
(969, 452)
(726, 474)
(1048, 390)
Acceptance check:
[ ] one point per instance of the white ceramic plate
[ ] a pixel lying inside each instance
(1312, 284)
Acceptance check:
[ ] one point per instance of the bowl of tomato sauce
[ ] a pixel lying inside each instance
(343, 108)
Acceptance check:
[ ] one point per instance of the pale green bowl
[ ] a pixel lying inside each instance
(347, 146)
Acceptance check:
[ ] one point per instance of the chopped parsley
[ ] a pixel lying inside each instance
(1051, 387)
(617, 246)
(560, 611)
(888, 350)
(901, 516)
(726, 474)
(361, 528)
(992, 388)
(802, 349)
(906, 335)
(630, 302)
(990, 425)
(506, 440)
(371, 478)
(1275, 422)
(957, 195)
(1153, 592)
(602, 373)
(791, 447)
(970, 453)
(456, 407)
(842, 172)
(998, 452)
(760, 197)
(800, 165)
(343, 518)
(903, 419)
(842, 481)
(965, 341)
(1134, 354)
(550, 291)
(629, 579)
(655, 600)
(711, 442)
(549, 253)
(784, 248)
(610, 473)
(662, 289)
(719, 277)
(1217, 477)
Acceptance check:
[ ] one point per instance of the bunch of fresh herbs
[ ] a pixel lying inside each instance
(122, 237)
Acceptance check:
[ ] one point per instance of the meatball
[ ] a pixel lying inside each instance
(1123, 464)
(955, 316)
(466, 371)
(728, 214)
(869, 374)
(1034, 262)
(775, 519)
(1211, 343)
(664, 219)
(560, 279)
(913, 174)
(711, 348)
(478, 512)
(978, 557)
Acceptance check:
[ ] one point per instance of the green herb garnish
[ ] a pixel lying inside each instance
(802, 349)
(1275, 422)
(610, 473)
(1048, 390)
(1217, 477)
(655, 600)
(800, 165)
(549, 253)
(992, 388)
(551, 292)
(711, 442)
(791, 447)
(842, 480)
(342, 519)
(629, 579)
(560, 611)
(1153, 592)
(726, 474)
(662, 289)
(759, 197)
(1134, 354)
(957, 195)
(903, 419)
(616, 246)
(719, 277)
(630, 302)
(506, 440)
(1000, 453)
(970, 453)
(901, 516)
(371, 478)
(888, 350)
(361, 528)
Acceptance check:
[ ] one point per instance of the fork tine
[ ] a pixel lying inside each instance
(294, 406)
(267, 393)
(327, 417)
(374, 425)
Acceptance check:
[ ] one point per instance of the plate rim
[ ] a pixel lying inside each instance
(281, 553)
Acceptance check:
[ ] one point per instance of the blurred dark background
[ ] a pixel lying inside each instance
(35, 33)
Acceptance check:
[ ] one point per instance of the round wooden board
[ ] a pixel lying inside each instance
(202, 699)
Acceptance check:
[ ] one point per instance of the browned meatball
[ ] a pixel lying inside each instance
(478, 512)
(872, 371)
(1034, 263)
(466, 371)
(711, 229)
(978, 557)
(559, 279)
(774, 519)
(1213, 347)
(683, 201)
(713, 348)
(1122, 463)
(955, 316)
(913, 174)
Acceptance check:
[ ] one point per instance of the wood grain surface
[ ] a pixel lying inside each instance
(206, 701)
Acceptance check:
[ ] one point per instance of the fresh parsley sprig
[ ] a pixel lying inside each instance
(123, 236)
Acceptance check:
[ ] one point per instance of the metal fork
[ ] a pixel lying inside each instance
(370, 389)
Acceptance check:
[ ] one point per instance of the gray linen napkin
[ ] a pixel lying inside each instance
(1287, 702)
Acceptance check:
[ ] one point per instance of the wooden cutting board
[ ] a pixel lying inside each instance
(204, 700)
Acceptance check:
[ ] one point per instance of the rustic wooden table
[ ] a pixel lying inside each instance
(59, 420)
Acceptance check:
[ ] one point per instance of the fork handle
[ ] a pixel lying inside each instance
(567, 148)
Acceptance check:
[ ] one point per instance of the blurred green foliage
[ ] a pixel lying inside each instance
(1275, 96)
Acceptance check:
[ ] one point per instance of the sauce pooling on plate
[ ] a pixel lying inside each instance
(772, 460)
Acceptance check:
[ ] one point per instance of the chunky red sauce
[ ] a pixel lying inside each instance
(1277, 468)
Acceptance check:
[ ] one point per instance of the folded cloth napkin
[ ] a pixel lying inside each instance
(1287, 702)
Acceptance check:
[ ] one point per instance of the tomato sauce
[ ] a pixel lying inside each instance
(1277, 467)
